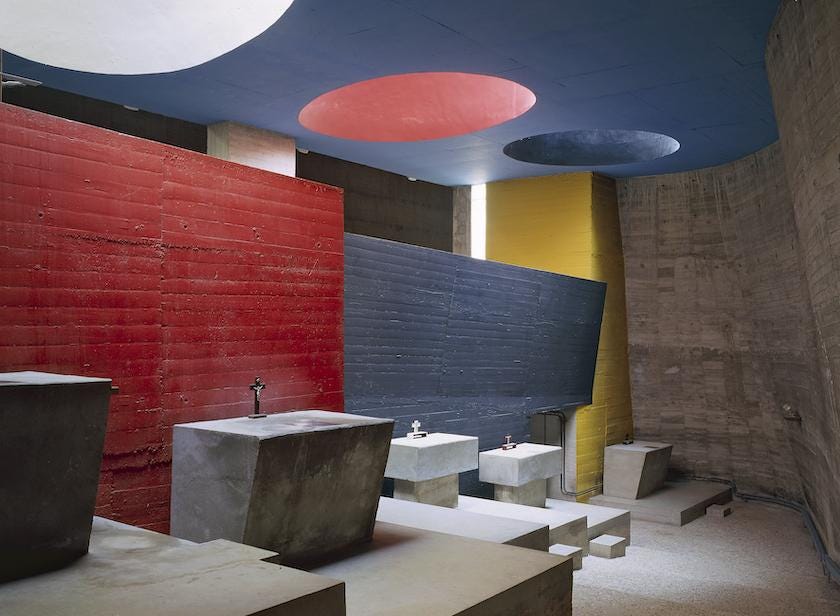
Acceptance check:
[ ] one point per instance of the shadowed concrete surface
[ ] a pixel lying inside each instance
(758, 561)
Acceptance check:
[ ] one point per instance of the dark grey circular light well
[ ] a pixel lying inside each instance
(592, 147)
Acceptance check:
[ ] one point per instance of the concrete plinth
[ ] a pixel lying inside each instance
(635, 470)
(608, 546)
(52, 430)
(566, 528)
(532, 493)
(464, 524)
(302, 484)
(677, 503)
(134, 572)
(410, 572)
(519, 475)
(442, 492)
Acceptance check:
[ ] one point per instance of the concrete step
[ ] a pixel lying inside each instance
(607, 546)
(719, 511)
(563, 527)
(569, 551)
(599, 520)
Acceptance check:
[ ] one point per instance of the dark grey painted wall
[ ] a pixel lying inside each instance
(387, 205)
(465, 346)
(155, 127)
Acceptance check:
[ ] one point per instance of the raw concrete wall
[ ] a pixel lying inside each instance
(385, 205)
(719, 320)
(803, 64)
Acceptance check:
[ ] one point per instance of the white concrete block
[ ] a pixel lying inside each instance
(521, 465)
(430, 457)
(607, 546)
(569, 551)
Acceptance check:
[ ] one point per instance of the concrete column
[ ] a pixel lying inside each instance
(251, 146)
(461, 220)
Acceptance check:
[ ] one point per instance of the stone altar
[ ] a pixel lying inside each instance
(520, 474)
(303, 484)
(53, 431)
(425, 469)
(636, 469)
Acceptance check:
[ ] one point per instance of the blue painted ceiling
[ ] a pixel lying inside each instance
(692, 69)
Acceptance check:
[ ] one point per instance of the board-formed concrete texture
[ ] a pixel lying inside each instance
(302, 484)
(51, 441)
(414, 572)
(135, 572)
(677, 503)
(608, 546)
(524, 463)
(442, 491)
(636, 469)
(600, 520)
(431, 457)
(532, 493)
(568, 528)
(464, 524)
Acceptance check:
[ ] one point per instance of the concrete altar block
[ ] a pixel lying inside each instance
(53, 431)
(519, 474)
(131, 571)
(635, 470)
(425, 470)
(302, 484)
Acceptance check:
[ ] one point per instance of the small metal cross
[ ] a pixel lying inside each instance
(257, 386)
(417, 433)
(416, 425)
(507, 444)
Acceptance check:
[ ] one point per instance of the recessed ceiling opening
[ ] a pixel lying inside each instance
(416, 107)
(593, 147)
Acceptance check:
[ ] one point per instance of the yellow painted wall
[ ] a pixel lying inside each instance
(568, 224)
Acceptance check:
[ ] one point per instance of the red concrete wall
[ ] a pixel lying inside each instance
(179, 276)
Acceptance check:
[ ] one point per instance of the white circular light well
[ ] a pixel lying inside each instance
(132, 37)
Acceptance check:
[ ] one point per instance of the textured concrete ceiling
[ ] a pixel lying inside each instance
(692, 69)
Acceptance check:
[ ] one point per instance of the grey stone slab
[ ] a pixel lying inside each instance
(464, 524)
(433, 456)
(134, 572)
(567, 528)
(409, 571)
(600, 520)
(677, 503)
(442, 491)
(52, 431)
(569, 551)
(635, 470)
(302, 484)
(520, 465)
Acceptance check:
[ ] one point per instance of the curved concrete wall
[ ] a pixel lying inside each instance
(803, 64)
(718, 320)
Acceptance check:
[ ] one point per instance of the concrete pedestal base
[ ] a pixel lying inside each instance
(442, 491)
(134, 572)
(464, 524)
(677, 503)
(532, 493)
(408, 571)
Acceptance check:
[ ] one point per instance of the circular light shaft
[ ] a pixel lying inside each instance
(592, 148)
(132, 37)
(416, 107)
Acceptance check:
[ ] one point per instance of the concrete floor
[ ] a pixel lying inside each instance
(759, 561)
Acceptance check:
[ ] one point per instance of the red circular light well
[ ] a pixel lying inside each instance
(416, 107)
